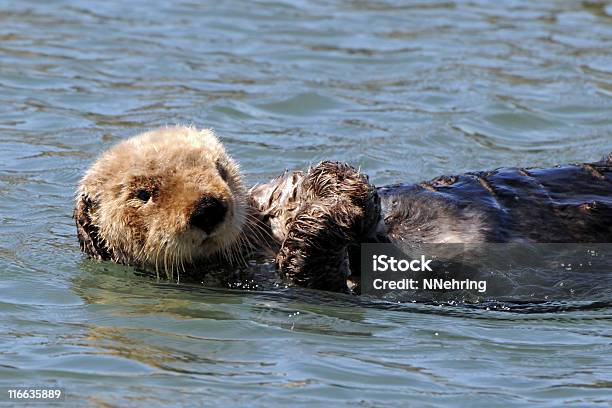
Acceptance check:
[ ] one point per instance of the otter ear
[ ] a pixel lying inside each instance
(87, 231)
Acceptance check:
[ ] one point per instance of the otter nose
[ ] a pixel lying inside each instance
(208, 214)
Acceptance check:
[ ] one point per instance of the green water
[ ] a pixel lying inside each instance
(405, 90)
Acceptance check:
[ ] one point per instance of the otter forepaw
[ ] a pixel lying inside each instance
(355, 201)
(338, 210)
(314, 253)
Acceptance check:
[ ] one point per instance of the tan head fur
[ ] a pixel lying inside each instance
(161, 199)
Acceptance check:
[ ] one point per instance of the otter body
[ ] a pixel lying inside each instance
(564, 204)
(173, 200)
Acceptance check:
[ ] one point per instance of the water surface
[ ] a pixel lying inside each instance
(405, 90)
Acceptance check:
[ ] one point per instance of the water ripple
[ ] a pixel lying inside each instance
(405, 90)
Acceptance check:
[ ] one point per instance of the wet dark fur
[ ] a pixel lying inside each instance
(569, 204)
(333, 208)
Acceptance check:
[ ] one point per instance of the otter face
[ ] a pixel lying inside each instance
(161, 200)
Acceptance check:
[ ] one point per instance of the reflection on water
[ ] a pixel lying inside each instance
(405, 90)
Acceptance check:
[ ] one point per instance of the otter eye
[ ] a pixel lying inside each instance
(222, 170)
(143, 195)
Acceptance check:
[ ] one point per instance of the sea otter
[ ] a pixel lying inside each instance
(172, 199)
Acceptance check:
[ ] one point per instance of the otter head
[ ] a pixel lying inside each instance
(161, 200)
